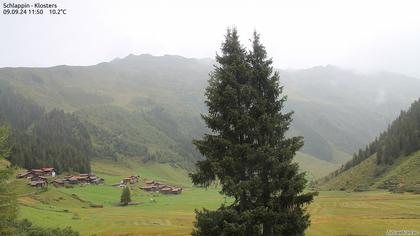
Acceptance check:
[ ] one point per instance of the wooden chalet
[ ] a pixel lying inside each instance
(125, 181)
(78, 179)
(38, 183)
(24, 175)
(82, 179)
(46, 171)
(166, 190)
(134, 179)
(49, 171)
(37, 172)
(176, 190)
(59, 183)
(150, 182)
(130, 180)
(93, 179)
(37, 178)
(73, 180)
(152, 186)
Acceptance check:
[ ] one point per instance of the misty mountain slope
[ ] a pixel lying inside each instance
(345, 108)
(40, 138)
(391, 161)
(367, 175)
(159, 100)
(132, 82)
(152, 113)
(314, 167)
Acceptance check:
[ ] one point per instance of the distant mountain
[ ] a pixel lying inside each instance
(342, 109)
(391, 161)
(142, 107)
(149, 107)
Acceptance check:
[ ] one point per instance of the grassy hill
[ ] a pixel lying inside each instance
(404, 174)
(149, 107)
(391, 161)
(155, 214)
(314, 167)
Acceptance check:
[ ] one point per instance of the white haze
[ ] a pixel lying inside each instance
(364, 35)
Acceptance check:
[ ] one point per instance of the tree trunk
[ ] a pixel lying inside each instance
(267, 229)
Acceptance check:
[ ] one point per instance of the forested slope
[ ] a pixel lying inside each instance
(43, 139)
(391, 161)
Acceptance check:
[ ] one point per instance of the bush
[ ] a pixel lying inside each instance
(76, 216)
(361, 188)
(413, 188)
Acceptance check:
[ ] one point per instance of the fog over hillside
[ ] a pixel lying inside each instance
(154, 102)
(366, 35)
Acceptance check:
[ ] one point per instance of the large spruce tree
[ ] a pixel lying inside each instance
(247, 151)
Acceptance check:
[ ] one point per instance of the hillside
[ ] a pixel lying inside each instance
(404, 174)
(391, 161)
(149, 107)
(39, 138)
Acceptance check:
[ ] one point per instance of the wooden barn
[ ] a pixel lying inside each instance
(153, 186)
(38, 183)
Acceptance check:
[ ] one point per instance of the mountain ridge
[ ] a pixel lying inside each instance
(333, 120)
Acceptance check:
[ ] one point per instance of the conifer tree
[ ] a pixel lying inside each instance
(125, 196)
(247, 151)
(8, 205)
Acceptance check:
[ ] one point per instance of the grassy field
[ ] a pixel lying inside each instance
(332, 213)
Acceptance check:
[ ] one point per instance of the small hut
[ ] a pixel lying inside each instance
(39, 183)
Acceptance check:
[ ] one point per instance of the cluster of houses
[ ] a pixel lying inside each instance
(78, 179)
(129, 180)
(38, 178)
(152, 186)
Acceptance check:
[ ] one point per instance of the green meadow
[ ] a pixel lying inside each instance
(332, 213)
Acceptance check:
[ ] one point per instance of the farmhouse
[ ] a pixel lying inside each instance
(134, 179)
(125, 181)
(38, 172)
(130, 180)
(148, 182)
(176, 190)
(58, 183)
(46, 171)
(24, 175)
(38, 183)
(49, 171)
(78, 179)
(152, 186)
(72, 180)
(37, 178)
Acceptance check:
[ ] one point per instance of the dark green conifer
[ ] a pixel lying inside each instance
(125, 196)
(247, 150)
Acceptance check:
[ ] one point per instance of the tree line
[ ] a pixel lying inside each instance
(9, 222)
(401, 138)
(40, 138)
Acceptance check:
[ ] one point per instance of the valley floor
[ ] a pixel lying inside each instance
(332, 213)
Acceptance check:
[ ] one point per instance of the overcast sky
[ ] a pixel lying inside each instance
(363, 35)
